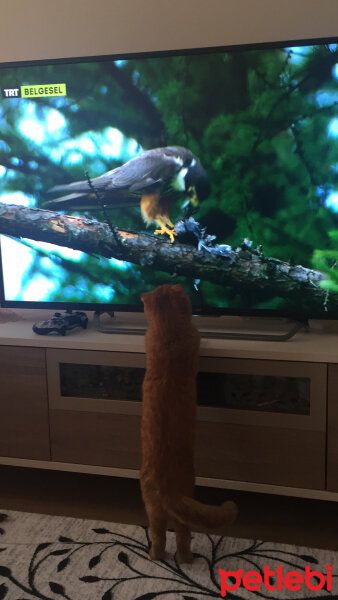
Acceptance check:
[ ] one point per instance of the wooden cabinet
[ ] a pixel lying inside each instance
(271, 427)
(267, 414)
(95, 407)
(24, 428)
(258, 420)
(95, 438)
(332, 429)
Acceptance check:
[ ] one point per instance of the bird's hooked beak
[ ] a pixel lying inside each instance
(191, 203)
(193, 198)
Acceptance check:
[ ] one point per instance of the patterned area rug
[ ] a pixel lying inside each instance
(51, 558)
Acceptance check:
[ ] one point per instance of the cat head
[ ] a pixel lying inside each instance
(167, 302)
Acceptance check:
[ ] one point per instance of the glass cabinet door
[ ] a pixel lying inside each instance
(101, 381)
(96, 381)
(280, 393)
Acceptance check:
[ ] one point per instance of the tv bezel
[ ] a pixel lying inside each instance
(203, 311)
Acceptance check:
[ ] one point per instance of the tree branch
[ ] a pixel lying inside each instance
(233, 268)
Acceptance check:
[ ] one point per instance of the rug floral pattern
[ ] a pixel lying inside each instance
(55, 557)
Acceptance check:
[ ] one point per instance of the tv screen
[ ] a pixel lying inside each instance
(216, 168)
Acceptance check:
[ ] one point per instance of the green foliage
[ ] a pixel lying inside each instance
(258, 121)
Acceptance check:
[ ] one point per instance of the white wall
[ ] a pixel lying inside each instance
(35, 29)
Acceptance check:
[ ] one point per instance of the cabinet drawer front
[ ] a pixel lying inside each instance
(261, 454)
(222, 451)
(24, 429)
(108, 440)
(332, 430)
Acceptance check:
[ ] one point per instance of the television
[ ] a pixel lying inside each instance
(216, 168)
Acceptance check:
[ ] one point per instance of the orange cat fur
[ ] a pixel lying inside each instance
(168, 425)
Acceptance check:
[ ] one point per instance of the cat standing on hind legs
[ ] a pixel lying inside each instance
(168, 425)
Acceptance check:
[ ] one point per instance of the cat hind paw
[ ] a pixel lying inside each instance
(156, 554)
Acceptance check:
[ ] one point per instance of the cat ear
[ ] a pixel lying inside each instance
(147, 297)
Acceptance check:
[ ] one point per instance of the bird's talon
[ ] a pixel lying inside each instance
(170, 232)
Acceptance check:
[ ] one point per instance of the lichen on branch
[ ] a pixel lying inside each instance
(231, 268)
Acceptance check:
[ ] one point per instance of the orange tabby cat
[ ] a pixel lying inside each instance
(168, 425)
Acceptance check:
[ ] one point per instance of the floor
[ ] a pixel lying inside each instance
(312, 523)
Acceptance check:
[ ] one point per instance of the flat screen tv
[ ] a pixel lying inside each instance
(216, 168)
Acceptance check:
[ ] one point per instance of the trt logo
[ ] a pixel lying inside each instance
(11, 92)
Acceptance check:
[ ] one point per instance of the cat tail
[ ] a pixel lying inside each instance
(201, 517)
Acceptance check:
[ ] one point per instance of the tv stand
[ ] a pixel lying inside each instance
(104, 328)
(272, 331)
(266, 419)
(218, 328)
